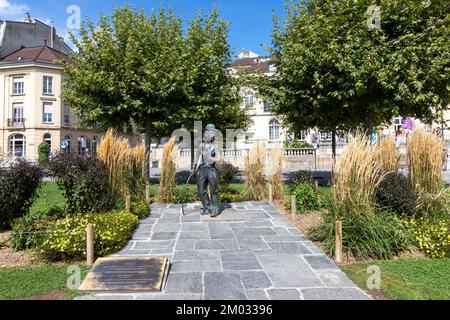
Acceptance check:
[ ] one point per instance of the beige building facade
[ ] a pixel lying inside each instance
(32, 110)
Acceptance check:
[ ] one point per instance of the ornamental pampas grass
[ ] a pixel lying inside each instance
(168, 185)
(356, 176)
(125, 164)
(255, 182)
(275, 172)
(425, 159)
(388, 155)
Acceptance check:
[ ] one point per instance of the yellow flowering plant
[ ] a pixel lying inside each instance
(66, 238)
(431, 236)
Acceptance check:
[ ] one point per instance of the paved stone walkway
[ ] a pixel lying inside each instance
(251, 252)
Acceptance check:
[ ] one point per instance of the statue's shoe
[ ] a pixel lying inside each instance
(215, 215)
(205, 213)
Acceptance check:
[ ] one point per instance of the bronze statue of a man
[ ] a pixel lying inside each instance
(207, 158)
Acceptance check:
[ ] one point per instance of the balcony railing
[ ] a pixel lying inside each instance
(16, 122)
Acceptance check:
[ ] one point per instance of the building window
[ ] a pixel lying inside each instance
(274, 130)
(267, 106)
(48, 85)
(17, 113)
(326, 136)
(249, 136)
(18, 85)
(48, 139)
(83, 146)
(17, 145)
(47, 115)
(302, 135)
(249, 101)
(66, 119)
(94, 146)
(397, 124)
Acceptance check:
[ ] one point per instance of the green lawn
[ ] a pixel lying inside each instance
(49, 195)
(27, 282)
(408, 279)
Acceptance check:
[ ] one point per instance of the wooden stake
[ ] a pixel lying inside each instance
(128, 204)
(90, 244)
(294, 208)
(147, 193)
(338, 242)
(316, 183)
(270, 193)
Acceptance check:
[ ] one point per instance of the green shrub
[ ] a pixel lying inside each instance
(432, 236)
(395, 194)
(18, 190)
(433, 205)
(29, 230)
(297, 144)
(301, 176)
(66, 239)
(184, 194)
(140, 209)
(378, 236)
(227, 172)
(307, 197)
(232, 197)
(84, 182)
(43, 151)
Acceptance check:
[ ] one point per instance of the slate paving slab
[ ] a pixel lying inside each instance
(250, 252)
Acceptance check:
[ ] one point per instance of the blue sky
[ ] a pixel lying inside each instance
(251, 20)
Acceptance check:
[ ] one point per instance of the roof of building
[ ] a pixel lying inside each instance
(43, 54)
(254, 65)
(29, 33)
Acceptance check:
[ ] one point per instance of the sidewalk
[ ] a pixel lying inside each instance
(251, 252)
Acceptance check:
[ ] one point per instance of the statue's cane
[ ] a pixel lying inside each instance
(187, 183)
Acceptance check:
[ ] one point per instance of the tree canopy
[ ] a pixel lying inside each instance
(337, 72)
(147, 70)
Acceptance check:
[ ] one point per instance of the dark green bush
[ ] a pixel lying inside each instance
(307, 197)
(301, 176)
(44, 152)
(297, 144)
(227, 172)
(377, 236)
(395, 194)
(18, 190)
(140, 209)
(84, 181)
(66, 238)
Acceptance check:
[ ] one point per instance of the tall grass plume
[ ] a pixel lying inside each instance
(168, 185)
(255, 182)
(425, 159)
(388, 155)
(356, 176)
(125, 164)
(275, 172)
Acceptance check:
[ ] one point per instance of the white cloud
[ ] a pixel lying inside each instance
(12, 11)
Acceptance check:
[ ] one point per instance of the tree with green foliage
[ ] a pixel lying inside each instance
(44, 152)
(337, 71)
(145, 71)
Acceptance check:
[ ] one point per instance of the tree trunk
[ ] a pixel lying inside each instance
(369, 121)
(333, 143)
(148, 155)
(192, 151)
